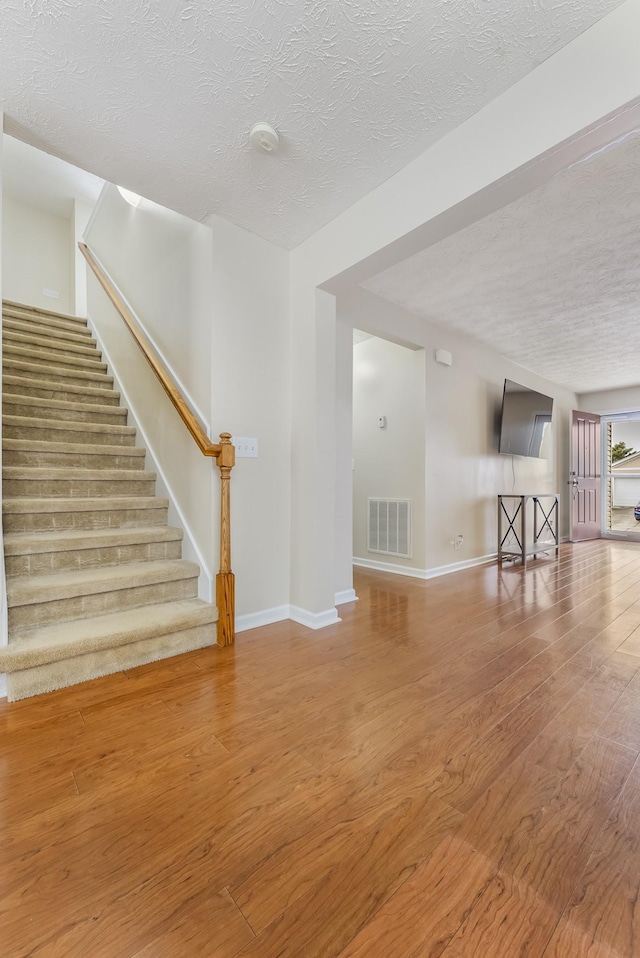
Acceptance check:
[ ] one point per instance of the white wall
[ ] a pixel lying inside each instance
(343, 497)
(389, 462)
(185, 475)
(214, 299)
(464, 471)
(611, 401)
(80, 216)
(37, 255)
(162, 263)
(250, 396)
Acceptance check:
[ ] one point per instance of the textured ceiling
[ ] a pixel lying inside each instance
(43, 180)
(159, 95)
(551, 281)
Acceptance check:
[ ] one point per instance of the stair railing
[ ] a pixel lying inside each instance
(223, 452)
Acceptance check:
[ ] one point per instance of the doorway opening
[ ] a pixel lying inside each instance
(388, 468)
(621, 474)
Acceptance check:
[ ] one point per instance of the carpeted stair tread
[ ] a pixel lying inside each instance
(38, 472)
(95, 579)
(51, 643)
(48, 323)
(53, 347)
(30, 543)
(10, 304)
(41, 445)
(86, 448)
(35, 482)
(29, 506)
(46, 553)
(39, 357)
(81, 336)
(49, 389)
(45, 371)
(24, 482)
(68, 425)
(89, 514)
(34, 315)
(44, 322)
(30, 590)
(64, 406)
(35, 451)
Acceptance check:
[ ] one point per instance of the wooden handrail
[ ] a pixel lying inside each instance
(192, 423)
(223, 452)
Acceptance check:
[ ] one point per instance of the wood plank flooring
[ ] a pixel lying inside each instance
(452, 771)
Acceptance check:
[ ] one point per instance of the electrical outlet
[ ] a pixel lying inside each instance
(458, 542)
(51, 293)
(245, 448)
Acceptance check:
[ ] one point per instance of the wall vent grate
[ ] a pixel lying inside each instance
(389, 527)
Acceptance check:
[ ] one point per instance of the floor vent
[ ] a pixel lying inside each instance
(389, 529)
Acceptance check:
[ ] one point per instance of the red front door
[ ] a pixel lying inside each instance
(585, 476)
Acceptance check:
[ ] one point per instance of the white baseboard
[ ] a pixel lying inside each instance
(390, 567)
(3, 686)
(253, 620)
(348, 595)
(422, 573)
(459, 566)
(314, 620)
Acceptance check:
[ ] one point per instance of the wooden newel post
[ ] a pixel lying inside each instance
(225, 580)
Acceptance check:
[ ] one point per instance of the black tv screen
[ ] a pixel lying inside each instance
(526, 421)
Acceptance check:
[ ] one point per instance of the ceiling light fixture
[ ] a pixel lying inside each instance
(264, 138)
(132, 198)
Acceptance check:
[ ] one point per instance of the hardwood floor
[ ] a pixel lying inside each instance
(453, 770)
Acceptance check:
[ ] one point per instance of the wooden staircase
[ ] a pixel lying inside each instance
(95, 578)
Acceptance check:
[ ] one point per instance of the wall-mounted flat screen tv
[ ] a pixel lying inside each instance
(526, 422)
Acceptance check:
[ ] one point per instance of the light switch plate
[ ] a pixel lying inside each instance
(245, 448)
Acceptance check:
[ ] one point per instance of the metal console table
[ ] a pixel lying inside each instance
(512, 518)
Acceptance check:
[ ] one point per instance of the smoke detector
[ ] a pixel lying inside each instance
(264, 138)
